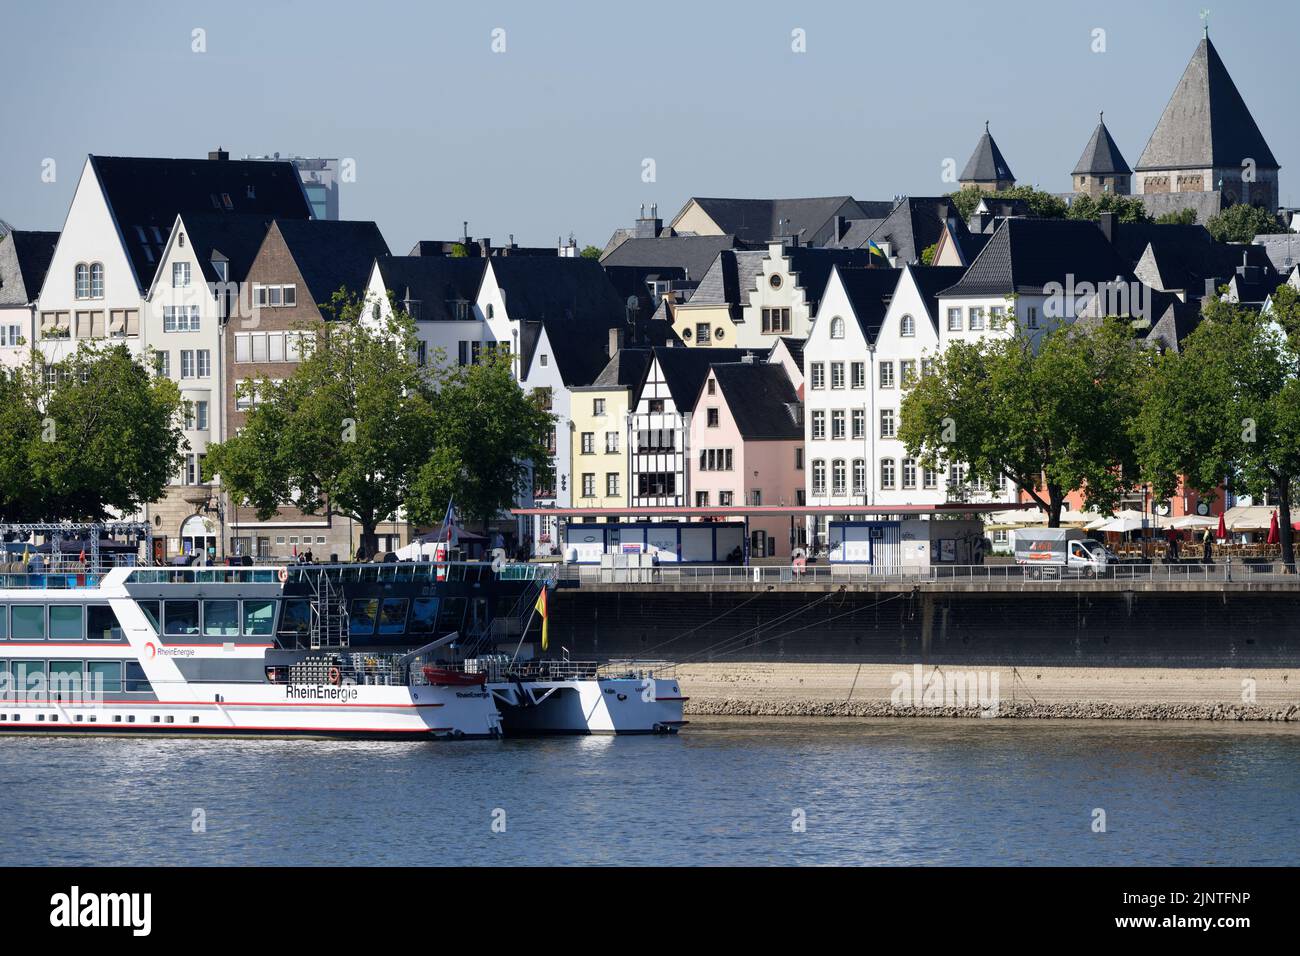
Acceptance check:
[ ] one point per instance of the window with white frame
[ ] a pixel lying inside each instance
(858, 375)
(818, 477)
(859, 476)
(839, 477)
(611, 443)
(187, 363)
(954, 320)
(162, 363)
(930, 478)
(180, 318)
(10, 335)
(180, 275)
(837, 424)
(837, 328)
(997, 316)
(611, 483)
(887, 473)
(859, 423)
(1031, 317)
(975, 318)
(909, 473)
(887, 423)
(818, 375)
(97, 280)
(837, 374)
(907, 326)
(818, 423)
(886, 374)
(204, 363)
(907, 372)
(588, 485)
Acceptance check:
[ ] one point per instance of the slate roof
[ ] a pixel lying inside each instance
(1206, 122)
(436, 282)
(332, 253)
(733, 274)
(759, 220)
(629, 281)
(914, 225)
(626, 368)
(760, 397)
(1183, 257)
(1283, 250)
(692, 254)
(235, 238)
(24, 259)
(1025, 255)
(145, 195)
(1174, 324)
(794, 347)
(932, 280)
(573, 300)
(1101, 157)
(869, 291)
(812, 268)
(857, 233)
(986, 164)
(685, 370)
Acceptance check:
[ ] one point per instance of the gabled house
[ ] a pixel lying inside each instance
(715, 309)
(117, 228)
(788, 353)
(601, 415)
(24, 259)
(913, 226)
(298, 267)
(660, 426)
(440, 294)
(747, 447)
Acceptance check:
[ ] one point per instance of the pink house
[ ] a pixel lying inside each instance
(747, 449)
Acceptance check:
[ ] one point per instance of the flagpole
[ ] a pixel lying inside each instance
(524, 633)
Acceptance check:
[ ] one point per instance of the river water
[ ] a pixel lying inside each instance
(736, 791)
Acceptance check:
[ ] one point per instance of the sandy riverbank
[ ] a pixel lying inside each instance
(886, 690)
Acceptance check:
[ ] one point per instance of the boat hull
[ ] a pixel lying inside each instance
(597, 706)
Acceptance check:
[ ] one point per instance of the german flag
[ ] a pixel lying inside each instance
(540, 608)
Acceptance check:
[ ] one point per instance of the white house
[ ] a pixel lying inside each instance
(24, 258)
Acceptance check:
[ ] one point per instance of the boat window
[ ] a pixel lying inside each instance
(29, 622)
(29, 677)
(221, 618)
(65, 678)
(152, 612)
(65, 622)
(296, 618)
(424, 615)
(136, 682)
(104, 677)
(362, 618)
(102, 623)
(4, 622)
(182, 618)
(453, 614)
(259, 618)
(392, 618)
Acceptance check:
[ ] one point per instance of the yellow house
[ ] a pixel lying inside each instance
(599, 413)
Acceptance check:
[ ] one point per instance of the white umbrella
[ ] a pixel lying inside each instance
(1194, 521)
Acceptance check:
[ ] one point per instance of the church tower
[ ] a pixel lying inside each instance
(1102, 169)
(987, 169)
(1207, 141)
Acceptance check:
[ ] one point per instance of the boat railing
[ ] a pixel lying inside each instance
(640, 669)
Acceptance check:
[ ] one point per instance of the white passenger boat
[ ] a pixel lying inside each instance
(358, 651)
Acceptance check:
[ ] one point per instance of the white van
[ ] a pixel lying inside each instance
(1054, 552)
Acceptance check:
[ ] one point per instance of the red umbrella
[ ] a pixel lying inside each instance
(1223, 529)
(1272, 530)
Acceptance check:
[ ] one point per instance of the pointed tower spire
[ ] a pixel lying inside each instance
(1102, 168)
(986, 168)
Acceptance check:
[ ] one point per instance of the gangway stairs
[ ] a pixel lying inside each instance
(329, 616)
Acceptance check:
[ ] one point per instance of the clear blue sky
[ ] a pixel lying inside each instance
(548, 137)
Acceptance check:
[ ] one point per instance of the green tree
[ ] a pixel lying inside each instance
(1051, 420)
(1227, 405)
(1181, 217)
(489, 442)
(927, 254)
(347, 431)
(1127, 208)
(1044, 205)
(103, 436)
(458, 251)
(1243, 223)
(590, 252)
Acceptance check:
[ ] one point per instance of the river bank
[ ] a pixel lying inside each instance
(1089, 693)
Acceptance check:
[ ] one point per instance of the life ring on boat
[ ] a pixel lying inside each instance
(283, 574)
(334, 676)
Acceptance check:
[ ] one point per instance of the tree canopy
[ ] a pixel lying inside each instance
(1227, 406)
(1051, 419)
(1242, 223)
(362, 429)
(99, 436)
(1045, 205)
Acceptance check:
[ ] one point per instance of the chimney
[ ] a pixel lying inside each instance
(648, 227)
(219, 154)
(485, 247)
(840, 227)
(747, 358)
(1109, 221)
(615, 341)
